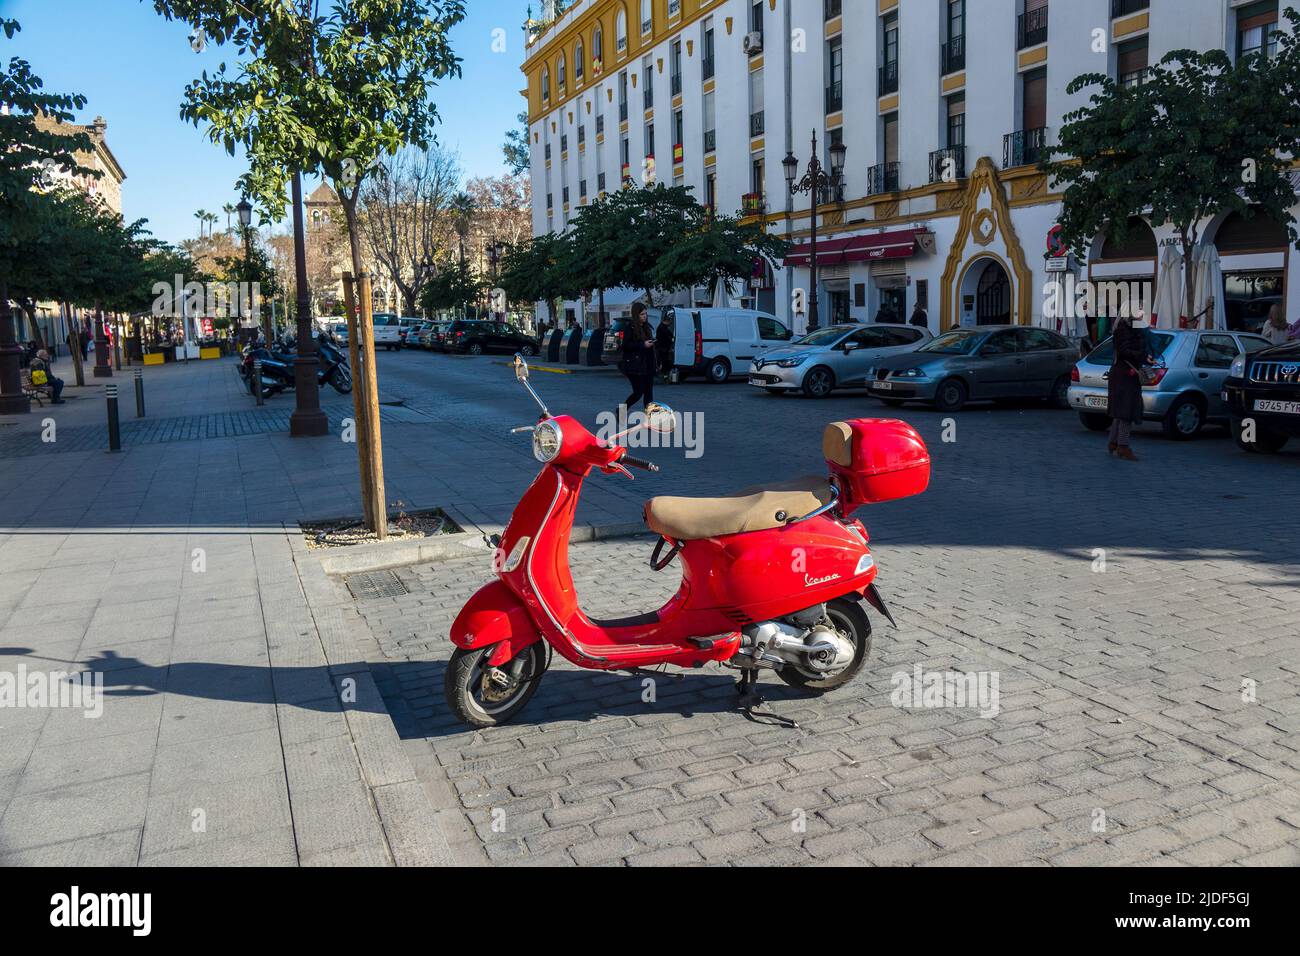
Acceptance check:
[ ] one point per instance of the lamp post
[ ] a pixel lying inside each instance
(307, 419)
(814, 182)
(245, 211)
(494, 258)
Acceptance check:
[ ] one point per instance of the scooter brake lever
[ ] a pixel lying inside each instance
(617, 468)
(523, 428)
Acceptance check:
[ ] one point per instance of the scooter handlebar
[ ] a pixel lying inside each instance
(638, 463)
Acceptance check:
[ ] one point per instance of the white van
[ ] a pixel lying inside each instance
(720, 343)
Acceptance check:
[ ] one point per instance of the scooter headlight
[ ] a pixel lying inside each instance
(547, 438)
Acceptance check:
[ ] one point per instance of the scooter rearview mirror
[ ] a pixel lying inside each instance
(521, 368)
(660, 418)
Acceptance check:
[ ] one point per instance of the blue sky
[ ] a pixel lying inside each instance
(133, 66)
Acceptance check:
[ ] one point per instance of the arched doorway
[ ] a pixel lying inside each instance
(986, 293)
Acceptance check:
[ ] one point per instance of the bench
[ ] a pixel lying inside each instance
(38, 392)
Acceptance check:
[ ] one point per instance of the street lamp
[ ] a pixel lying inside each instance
(245, 211)
(817, 180)
(494, 250)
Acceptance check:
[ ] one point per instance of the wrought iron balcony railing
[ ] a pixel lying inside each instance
(882, 178)
(1031, 28)
(835, 97)
(948, 165)
(756, 123)
(887, 78)
(953, 54)
(1122, 8)
(1024, 147)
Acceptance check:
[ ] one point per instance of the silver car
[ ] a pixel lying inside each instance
(978, 363)
(838, 356)
(1183, 390)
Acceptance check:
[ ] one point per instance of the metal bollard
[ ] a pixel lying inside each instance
(257, 380)
(114, 432)
(139, 393)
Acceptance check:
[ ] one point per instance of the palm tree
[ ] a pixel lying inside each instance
(202, 216)
(228, 209)
(212, 221)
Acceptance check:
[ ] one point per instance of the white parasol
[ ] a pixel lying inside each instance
(1207, 283)
(1167, 309)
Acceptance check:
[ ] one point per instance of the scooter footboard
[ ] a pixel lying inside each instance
(494, 615)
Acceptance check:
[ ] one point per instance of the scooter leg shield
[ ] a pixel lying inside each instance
(494, 615)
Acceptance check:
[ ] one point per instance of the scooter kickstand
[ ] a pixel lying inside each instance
(751, 700)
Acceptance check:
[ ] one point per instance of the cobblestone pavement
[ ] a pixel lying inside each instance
(1147, 713)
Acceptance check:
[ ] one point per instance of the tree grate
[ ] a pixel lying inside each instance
(375, 584)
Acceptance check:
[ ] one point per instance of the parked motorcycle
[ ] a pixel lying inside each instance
(278, 367)
(773, 577)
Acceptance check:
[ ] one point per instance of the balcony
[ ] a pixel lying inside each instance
(753, 204)
(834, 8)
(677, 84)
(834, 97)
(622, 112)
(882, 178)
(1122, 8)
(756, 123)
(1031, 28)
(1026, 147)
(953, 55)
(648, 97)
(710, 140)
(887, 78)
(709, 67)
(948, 165)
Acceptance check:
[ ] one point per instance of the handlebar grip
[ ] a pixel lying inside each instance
(638, 463)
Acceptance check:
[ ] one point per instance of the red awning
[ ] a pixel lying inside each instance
(833, 252)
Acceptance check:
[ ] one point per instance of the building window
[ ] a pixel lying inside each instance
(954, 48)
(566, 195)
(835, 75)
(622, 97)
(706, 52)
(834, 8)
(679, 134)
(598, 45)
(887, 81)
(674, 7)
(577, 61)
(1031, 26)
(1255, 26)
(710, 128)
(756, 120)
(649, 140)
(756, 18)
(549, 203)
(620, 31)
(648, 85)
(559, 72)
(647, 16)
(675, 66)
(546, 84)
(625, 158)
(1131, 62)
(711, 192)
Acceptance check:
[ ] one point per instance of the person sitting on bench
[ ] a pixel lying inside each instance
(41, 370)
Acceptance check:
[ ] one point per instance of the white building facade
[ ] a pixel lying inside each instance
(944, 107)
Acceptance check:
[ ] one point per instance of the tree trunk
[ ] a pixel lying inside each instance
(29, 309)
(74, 343)
(365, 392)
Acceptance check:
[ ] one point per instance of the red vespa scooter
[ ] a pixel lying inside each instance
(773, 577)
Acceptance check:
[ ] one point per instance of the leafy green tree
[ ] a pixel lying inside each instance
(1199, 136)
(326, 93)
(29, 156)
(722, 251)
(515, 148)
(451, 288)
(540, 269)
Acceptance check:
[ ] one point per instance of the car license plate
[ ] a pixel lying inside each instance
(883, 386)
(755, 380)
(1095, 401)
(1271, 405)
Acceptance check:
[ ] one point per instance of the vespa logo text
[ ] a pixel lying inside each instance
(810, 581)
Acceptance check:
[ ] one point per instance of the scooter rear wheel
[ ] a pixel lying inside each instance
(851, 620)
(483, 699)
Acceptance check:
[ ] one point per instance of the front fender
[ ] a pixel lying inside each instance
(494, 615)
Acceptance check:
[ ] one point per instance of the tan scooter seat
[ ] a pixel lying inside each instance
(750, 509)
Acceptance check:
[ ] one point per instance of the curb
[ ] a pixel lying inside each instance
(398, 800)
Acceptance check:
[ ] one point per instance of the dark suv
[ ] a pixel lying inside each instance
(1263, 389)
(473, 337)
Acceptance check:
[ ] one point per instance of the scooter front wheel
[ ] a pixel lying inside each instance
(485, 696)
(850, 620)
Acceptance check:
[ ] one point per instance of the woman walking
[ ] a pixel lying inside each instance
(1275, 327)
(1124, 387)
(638, 362)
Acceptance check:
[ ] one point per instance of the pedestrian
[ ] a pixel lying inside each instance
(919, 317)
(1124, 387)
(1274, 328)
(41, 375)
(664, 347)
(638, 362)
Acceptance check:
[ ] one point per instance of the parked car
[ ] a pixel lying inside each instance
(474, 337)
(388, 331)
(1183, 392)
(978, 363)
(1263, 386)
(612, 349)
(837, 356)
(340, 331)
(420, 337)
(719, 343)
(409, 329)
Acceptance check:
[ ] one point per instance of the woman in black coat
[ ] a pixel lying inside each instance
(638, 362)
(1124, 387)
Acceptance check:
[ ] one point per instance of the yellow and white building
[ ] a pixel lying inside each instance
(943, 106)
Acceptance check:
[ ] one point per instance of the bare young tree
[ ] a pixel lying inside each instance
(405, 216)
